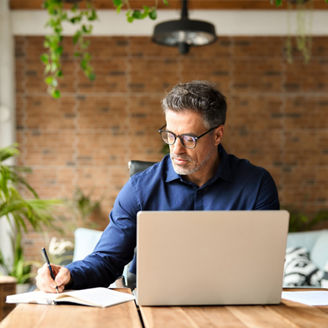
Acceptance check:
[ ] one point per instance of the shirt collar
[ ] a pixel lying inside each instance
(171, 175)
(223, 171)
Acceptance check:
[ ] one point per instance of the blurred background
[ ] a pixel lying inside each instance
(78, 146)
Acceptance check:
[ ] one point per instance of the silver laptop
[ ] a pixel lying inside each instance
(210, 257)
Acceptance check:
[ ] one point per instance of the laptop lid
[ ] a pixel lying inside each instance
(210, 257)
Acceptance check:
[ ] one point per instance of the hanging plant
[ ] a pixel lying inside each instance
(53, 41)
(83, 19)
(132, 14)
(303, 28)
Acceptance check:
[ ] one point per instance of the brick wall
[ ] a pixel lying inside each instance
(277, 115)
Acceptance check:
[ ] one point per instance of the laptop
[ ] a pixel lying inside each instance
(210, 257)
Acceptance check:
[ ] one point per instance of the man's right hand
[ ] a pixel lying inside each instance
(45, 283)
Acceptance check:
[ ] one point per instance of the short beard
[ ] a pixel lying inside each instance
(188, 171)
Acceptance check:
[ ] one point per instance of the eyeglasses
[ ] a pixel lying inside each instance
(187, 140)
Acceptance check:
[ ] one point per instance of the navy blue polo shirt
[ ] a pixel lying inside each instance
(236, 185)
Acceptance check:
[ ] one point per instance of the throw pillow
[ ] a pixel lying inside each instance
(299, 270)
(324, 280)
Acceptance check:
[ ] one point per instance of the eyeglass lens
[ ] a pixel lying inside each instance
(170, 138)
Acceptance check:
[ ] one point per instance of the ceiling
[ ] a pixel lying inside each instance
(174, 4)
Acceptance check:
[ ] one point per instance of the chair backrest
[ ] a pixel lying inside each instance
(135, 166)
(138, 166)
(85, 242)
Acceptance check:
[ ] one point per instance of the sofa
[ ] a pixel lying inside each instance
(315, 242)
(306, 267)
(306, 260)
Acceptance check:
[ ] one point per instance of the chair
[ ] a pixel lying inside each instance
(138, 166)
(134, 167)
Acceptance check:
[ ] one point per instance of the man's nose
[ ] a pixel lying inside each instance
(177, 147)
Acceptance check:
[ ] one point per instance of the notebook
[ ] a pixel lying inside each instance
(210, 257)
(99, 296)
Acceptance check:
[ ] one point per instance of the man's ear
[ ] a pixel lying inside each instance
(218, 134)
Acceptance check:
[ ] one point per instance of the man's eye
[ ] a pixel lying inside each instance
(188, 139)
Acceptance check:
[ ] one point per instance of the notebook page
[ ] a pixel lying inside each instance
(98, 296)
(307, 297)
(38, 297)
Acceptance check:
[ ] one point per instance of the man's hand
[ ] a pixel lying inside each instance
(45, 283)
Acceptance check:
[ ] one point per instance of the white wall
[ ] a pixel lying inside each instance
(7, 99)
(227, 22)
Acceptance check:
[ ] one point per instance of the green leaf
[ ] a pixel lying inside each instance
(93, 16)
(86, 56)
(87, 29)
(44, 58)
(117, 3)
(75, 19)
(7, 152)
(76, 37)
(91, 76)
(165, 2)
(49, 80)
(58, 50)
(84, 44)
(137, 14)
(55, 94)
(153, 14)
(83, 64)
(118, 9)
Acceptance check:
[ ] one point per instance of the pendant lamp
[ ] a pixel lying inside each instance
(184, 32)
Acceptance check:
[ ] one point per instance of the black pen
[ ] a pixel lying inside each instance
(46, 258)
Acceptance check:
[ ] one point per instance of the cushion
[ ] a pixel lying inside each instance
(324, 280)
(319, 252)
(299, 269)
(85, 241)
(306, 239)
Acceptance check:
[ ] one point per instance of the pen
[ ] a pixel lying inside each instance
(45, 256)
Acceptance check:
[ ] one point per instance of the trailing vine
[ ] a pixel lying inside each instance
(53, 41)
(303, 28)
(82, 18)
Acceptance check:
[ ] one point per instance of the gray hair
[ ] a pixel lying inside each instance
(199, 96)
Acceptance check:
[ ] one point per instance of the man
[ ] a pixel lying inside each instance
(197, 175)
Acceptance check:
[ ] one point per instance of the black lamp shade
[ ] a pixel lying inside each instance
(192, 32)
(184, 32)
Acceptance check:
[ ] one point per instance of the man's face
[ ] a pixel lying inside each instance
(199, 160)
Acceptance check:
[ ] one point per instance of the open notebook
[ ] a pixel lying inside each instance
(99, 296)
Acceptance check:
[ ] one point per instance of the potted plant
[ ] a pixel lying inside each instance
(20, 269)
(20, 211)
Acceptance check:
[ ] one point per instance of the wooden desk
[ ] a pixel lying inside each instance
(123, 315)
(286, 315)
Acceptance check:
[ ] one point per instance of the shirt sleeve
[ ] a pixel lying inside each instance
(267, 197)
(115, 248)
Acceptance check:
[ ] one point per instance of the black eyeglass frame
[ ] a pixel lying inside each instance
(195, 138)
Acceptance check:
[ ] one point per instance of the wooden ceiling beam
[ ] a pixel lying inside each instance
(176, 4)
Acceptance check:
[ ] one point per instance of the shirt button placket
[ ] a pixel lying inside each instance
(198, 202)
